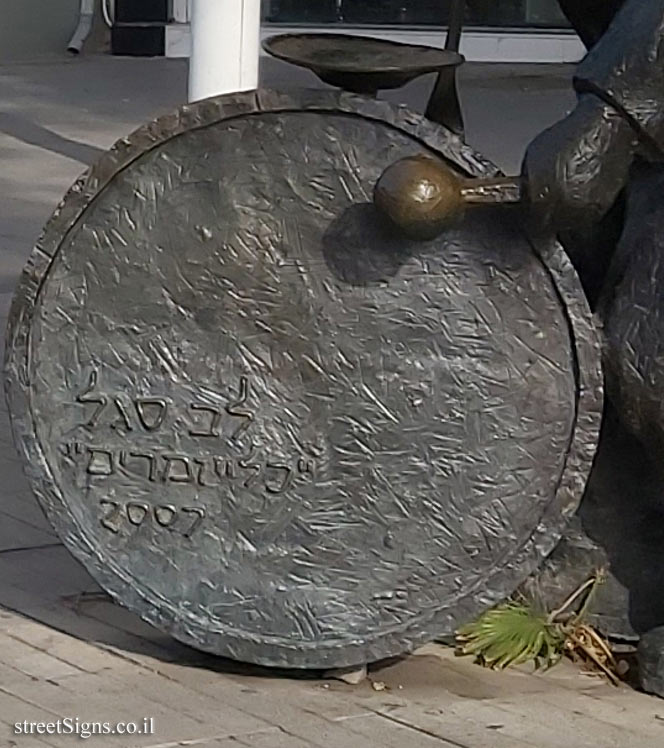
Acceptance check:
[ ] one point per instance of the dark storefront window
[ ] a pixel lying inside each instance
(496, 13)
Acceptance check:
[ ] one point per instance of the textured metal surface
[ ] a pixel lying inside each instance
(599, 171)
(632, 310)
(361, 64)
(576, 170)
(270, 427)
(619, 528)
(626, 69)
(651, 662)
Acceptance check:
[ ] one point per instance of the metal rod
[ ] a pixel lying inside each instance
(444, 106)
(455, 25)
(501, 190)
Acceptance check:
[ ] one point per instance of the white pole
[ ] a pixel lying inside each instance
(225, 44)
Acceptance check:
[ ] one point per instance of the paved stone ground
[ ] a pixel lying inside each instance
(66, 651)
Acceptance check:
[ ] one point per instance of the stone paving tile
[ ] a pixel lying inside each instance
(23, 505)
(81, 655)
(502, 712)
(95, 697)
(279, 739)
(12, 476)
(60, 616)
(482, 709)
(16, 535)
(15, 741)
(482, 727)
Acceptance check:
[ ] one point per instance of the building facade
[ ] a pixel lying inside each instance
(495, 30)
(497, 14)
(36, 28)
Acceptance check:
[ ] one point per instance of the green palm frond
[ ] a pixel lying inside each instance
(520, 631)
(512, 634)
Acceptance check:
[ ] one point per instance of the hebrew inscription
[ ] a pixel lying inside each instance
(205, 471)
(219, 455)
(150, 414)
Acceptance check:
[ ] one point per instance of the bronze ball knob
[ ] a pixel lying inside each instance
(419, 195)
(422, 196)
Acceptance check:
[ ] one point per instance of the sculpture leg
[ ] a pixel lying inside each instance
(591, 250)
(632, 312)
(620, 523)
(651, 661)
(619, 529)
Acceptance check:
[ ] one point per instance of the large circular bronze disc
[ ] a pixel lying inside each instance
(269, 426)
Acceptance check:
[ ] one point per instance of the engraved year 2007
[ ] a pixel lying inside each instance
(184, 520)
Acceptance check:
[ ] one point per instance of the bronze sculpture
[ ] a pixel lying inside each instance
(614, 141)
(601, 173)
(285, 545)
(596, 178)
(271, 426)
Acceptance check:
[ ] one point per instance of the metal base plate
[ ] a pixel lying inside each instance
(360, 64)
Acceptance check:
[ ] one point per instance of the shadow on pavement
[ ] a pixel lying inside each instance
(30, 132)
